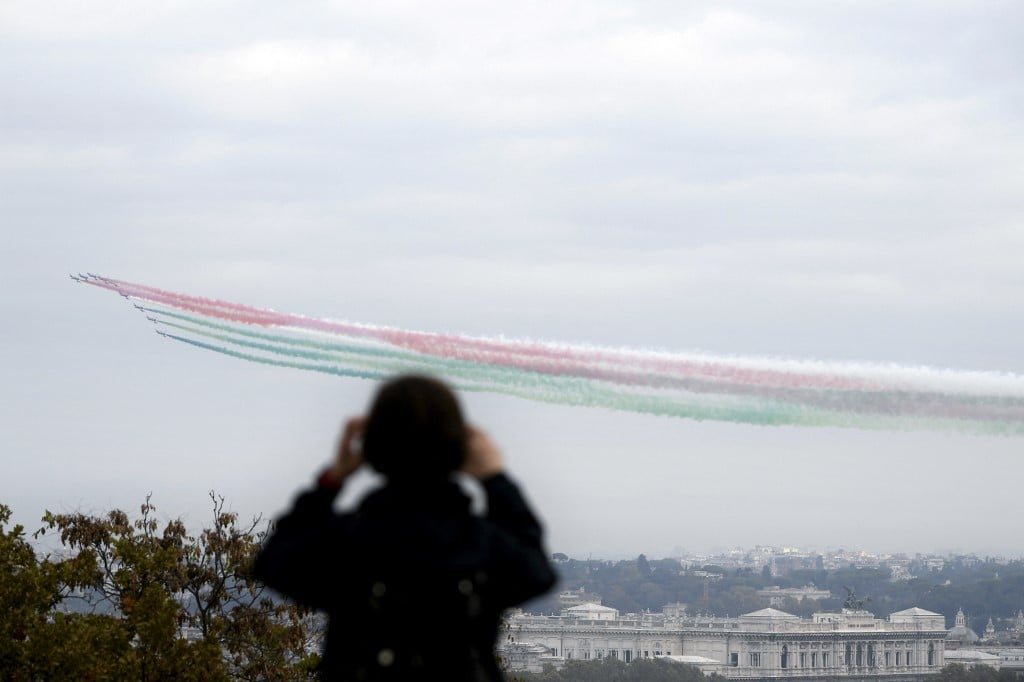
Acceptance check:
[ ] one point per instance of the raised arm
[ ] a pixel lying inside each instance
(530, 571)
(295, 558)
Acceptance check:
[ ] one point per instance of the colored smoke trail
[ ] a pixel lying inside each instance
(746, 390)
(544, 357)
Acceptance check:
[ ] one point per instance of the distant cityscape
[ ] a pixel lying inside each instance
(779, 559)
(798, 613)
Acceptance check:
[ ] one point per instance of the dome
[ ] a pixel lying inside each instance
(960, 632)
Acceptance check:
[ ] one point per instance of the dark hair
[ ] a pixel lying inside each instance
(415, 429)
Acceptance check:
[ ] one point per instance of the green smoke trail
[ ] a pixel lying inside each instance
(889, 410)
(575, 391)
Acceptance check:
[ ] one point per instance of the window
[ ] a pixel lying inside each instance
(899, 657)
(785, 656)
(755, 660)
(628, 654)
(814, 659)
(931, 654)
(888, 657)
(871, 655)
(734, 660)
(824, 659)
(849, 654)
(803, 660)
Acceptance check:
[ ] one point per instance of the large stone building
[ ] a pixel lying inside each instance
(777, 596)
(763, 644)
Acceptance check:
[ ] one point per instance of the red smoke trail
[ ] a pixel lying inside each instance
(521, 355)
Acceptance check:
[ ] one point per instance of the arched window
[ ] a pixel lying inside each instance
(931, 654)
(860, 655)
(871, 655)
(849, 655)
(785, 656)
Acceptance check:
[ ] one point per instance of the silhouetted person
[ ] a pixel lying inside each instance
(413, 582)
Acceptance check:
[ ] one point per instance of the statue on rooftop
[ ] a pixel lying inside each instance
(852, 602)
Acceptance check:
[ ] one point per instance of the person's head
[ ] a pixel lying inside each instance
(415, 430)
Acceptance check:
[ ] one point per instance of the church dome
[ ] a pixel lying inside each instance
(960, 632)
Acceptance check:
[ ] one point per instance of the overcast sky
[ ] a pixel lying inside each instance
(832, 181)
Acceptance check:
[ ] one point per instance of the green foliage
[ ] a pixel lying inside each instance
(27, 593)
(119, 604)
(958, 673)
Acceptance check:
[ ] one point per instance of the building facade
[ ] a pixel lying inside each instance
(765, 644)
(776, 596)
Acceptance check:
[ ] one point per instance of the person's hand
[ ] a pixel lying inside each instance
(483, 458)
(350, 451)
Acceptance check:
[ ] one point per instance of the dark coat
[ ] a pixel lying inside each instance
(413, 582)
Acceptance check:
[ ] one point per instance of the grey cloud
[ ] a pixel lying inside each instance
(768, 178)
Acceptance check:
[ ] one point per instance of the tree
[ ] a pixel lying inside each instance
(955, 672)
(27, 593)
(643, 566)
(736, 600)
(140, 599)
(36, 640)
